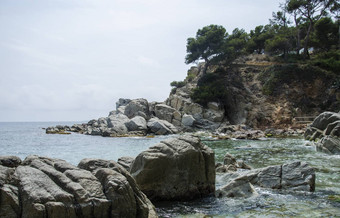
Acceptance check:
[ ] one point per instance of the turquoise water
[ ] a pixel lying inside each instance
(23, 139)
(269, 203)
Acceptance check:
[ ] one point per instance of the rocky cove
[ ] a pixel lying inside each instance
(234, 167)
(182, 175)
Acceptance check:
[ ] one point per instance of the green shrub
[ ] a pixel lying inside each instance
(274, 77)
(328, 60)
(209, 88)
(177, 84)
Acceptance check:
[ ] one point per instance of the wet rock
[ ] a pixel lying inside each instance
(237, 188)
(329, 144)
(175, 169)
(292, 176)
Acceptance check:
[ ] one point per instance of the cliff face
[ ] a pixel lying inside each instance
(254, 94)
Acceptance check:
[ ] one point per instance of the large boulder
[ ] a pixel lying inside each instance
(188, 120)
(161, 127)
(329, 144)
(164, 112)
(292, 176)
(175, 169)
(46, 187)
(137, 123)
(137, 107)
(117, 123)
(325, 129)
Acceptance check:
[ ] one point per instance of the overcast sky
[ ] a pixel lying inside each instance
(71, 60)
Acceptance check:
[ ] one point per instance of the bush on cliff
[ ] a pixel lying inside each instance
(275, 76)
(209, 88)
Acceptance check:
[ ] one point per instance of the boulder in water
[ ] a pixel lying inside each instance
(175, 169)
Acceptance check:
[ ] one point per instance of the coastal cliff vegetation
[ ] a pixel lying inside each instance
(299, 45)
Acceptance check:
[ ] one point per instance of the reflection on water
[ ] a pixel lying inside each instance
(268, 203)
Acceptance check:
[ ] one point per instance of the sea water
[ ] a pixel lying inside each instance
(23, 139)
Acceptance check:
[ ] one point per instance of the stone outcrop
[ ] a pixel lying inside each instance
(131, 118)
(175, 169)
(325, 130)
(296, 176)
(161, 127)
(46, 187)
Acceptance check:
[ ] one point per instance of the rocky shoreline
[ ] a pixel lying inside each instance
(138, 117)
(180, 168)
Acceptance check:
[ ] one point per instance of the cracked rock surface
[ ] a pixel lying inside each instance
(46, 187)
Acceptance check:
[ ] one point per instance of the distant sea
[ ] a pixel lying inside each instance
(29, 138)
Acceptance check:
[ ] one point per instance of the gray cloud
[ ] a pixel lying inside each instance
(71, 60)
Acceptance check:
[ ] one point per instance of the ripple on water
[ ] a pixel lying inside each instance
(269, 203)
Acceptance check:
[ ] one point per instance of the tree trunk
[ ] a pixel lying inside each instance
(206, 65)
(305, 47)
(298, 38)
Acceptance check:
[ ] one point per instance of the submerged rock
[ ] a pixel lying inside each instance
(46, 187)
(175, 169)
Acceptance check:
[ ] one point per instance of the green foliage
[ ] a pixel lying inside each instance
(209, 88)
(190, 77)
(177, 84)
(258, 37)
(326, 34)
(328, 60)
(274, 77)
(208, 43)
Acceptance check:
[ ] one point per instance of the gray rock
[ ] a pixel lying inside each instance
(236, 188)
(137, 123)
(105, 171)
(188, 120)
(213, 106)
(325, 118)
(175, 169)
(117, 123)
(325, 127)
(10, 161)
(126, 162)
(122, 102)
(214, 116)
(329, 144)
(137, 107)
(46, 187)
(161, 127)
(164, 112)
(291, 176)
(229, 159)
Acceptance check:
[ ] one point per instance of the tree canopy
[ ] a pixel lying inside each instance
(308, 24)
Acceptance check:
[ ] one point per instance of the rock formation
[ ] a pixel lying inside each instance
(46, 187)
(325, 130)
(175, 169)
(294, 176)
